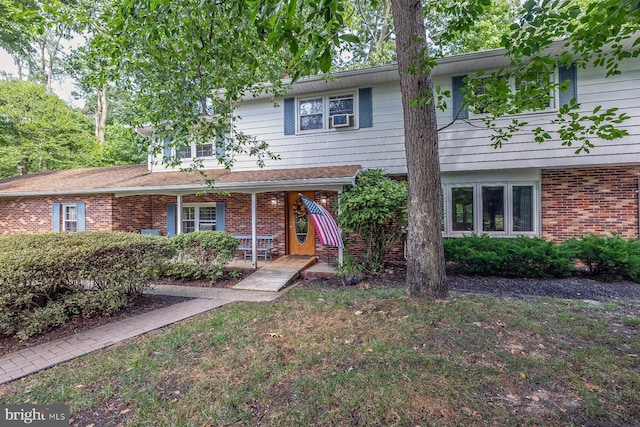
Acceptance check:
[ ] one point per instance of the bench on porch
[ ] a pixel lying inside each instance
(264, 246)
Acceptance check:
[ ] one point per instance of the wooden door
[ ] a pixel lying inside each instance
(301, 233)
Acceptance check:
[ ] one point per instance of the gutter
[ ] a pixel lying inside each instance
(243, 187)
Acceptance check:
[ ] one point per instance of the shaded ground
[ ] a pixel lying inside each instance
(575, 287)
(140, 305)
(578, 287)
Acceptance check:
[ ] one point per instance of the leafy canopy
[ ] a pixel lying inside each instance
(40, 131)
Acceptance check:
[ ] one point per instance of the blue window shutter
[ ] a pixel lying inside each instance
(568, 73)
(459, 110)
(220, 216)
(55, 217)
(365, 102)
(166, 150)
(289, 116)
(171, 219)
(81, 214)
(220, 146)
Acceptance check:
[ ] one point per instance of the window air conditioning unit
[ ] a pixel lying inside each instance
(342, 120)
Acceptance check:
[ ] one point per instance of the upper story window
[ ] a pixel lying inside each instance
(317, 113)
(209, 149)
(525, 87)
(326, 112)
(202, 150)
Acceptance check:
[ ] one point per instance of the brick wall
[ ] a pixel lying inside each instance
(106, 212)
(590, 200)
(133, 213)
(20, 215)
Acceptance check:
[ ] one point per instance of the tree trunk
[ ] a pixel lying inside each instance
(101, 113)
(425, 256)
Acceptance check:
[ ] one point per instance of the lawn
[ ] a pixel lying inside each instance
(363, 357)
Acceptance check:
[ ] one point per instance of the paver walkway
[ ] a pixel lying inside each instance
(270, 278)
(30, 360)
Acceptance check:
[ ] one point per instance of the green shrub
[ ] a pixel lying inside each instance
(609, 256)
(374, 213)
(201, 254)
(51, 277)
(519, 257)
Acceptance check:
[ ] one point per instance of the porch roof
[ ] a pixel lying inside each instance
(136, 179)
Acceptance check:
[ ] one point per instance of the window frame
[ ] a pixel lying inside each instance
(478, 208)
(196, 218)
(64, 220)
(326, 98)
(553, 101)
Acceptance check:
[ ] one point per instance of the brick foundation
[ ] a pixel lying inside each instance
(590, 200)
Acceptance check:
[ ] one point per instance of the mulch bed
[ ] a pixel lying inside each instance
(140, 305)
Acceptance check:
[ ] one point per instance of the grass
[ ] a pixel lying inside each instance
(348, 357)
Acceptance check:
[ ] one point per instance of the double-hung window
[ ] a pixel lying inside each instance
(528, 87)
(198, 218)
(201, 150)
(502, 208)
(326, 112)
(186, 152)
(69, 218)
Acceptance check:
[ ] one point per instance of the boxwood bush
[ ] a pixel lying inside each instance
(201, 254)
(518, 257)
(48, 278)
(610, 256)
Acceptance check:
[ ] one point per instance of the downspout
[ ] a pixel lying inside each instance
(254, 231)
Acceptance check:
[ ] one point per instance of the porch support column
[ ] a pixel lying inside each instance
(179, 214)
(340, 250)
(254, 231)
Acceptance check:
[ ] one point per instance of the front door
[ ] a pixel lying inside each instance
(302, 234)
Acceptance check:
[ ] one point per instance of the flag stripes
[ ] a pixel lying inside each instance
(326, 227)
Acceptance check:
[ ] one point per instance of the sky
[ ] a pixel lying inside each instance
(61, 88)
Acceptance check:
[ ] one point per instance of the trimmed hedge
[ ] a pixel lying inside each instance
(518, 257)
(608, 256)
(201, 254)
(48, 278)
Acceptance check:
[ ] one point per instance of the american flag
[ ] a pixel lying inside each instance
(326, 227)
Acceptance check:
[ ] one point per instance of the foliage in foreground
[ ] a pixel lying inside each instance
(201, 254)
(49, 278)
(520, 257)
(349, 357)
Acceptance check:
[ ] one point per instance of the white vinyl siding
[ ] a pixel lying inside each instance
(463, 146)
